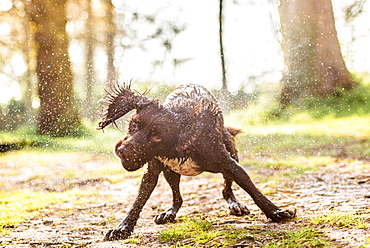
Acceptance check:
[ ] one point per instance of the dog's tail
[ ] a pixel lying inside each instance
(234, 131)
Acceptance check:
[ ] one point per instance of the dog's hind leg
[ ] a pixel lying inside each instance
(169, 215)
(235, 171)
(236, 208)
(148, 183)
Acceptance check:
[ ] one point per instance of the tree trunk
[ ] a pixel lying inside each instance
(58, 114)
(224, 92)
(110, 34)
(312, 55)
(89, 84)
(220, 34)
(28, 56)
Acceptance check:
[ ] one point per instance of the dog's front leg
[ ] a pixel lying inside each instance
(148, 183)
(169, 215)
(235, 171)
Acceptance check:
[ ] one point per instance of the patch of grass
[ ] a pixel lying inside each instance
(131, 241)
(193, 233)
(343, 220)
(303, 237)
(295, 143)
(196, 229)
(201, 232)
(232, 236)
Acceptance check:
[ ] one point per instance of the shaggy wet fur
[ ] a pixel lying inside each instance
(183, 136)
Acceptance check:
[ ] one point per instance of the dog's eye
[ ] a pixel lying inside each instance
(156, 138)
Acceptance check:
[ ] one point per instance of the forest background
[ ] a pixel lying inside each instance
(57, 57)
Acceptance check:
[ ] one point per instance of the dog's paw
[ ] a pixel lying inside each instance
(165, 217)
(238, 209)
(282, 215)
(119, 233)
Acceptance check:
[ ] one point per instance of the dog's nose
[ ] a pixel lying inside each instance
(121, 149)
(125, 150)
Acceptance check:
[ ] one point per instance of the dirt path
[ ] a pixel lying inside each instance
(344, 186)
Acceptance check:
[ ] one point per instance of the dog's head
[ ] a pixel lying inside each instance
(152, 130)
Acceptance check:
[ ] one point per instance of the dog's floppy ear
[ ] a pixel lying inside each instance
(120, 100)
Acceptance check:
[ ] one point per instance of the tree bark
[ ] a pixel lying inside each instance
(110, 34)
(58, 114)
(221, 41)
(312, 55)
(90, 79)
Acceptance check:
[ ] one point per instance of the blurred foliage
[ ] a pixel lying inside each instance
(353, 10)
(344, 103)
(15, 107)
(86, 140)
(266, 108)
(13, 115)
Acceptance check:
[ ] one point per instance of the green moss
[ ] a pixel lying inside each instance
(342, 220)
(195, 233)
(187, 229)
(302, 237)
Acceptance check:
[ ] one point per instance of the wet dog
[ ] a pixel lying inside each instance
(183, 136)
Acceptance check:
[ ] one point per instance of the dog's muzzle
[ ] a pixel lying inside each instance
(130, 159)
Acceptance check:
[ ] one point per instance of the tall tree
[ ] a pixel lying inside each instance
(221, 41)
(111, 30)
(58, 114)
(312, 55)
(90, 46)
